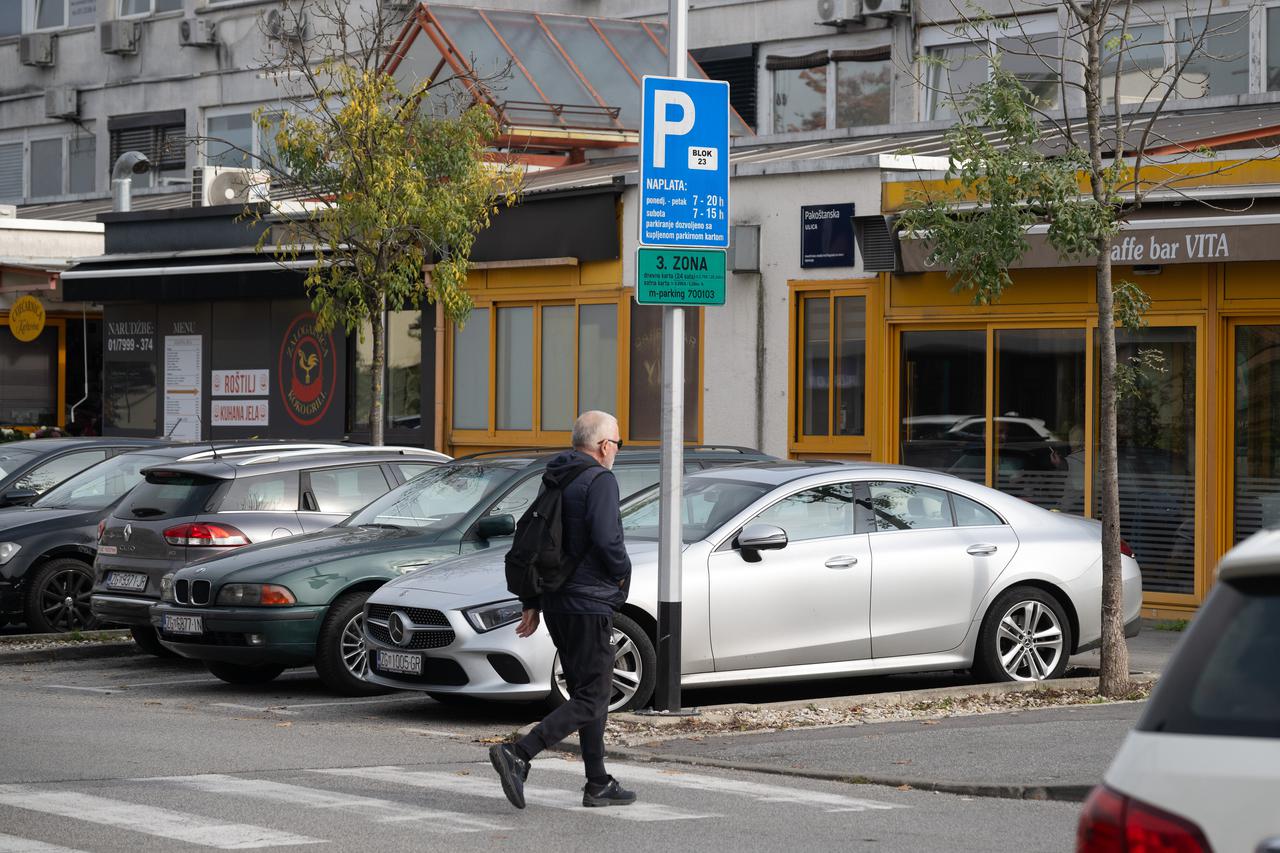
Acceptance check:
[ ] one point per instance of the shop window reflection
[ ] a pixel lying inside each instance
(833, 370)
(943, 400)
(1257, 429)
(403, 406)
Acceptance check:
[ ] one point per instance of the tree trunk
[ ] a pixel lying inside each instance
(377, 368)
(1113, 676)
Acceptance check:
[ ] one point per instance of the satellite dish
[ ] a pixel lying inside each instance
(237, 186)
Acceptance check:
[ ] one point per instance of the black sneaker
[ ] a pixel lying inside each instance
(608, 794)
(512, 770)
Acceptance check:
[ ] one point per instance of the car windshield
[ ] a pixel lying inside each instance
(707, 504)
(99, 486)
(436, 500)
(13, 458)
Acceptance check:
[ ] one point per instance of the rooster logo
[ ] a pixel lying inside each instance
(308, 362)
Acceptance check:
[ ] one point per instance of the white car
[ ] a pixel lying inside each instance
(1201, 769)
(790, 571)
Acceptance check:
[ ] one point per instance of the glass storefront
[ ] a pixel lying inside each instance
(1257, 429)
(403, 401)
(944, 378)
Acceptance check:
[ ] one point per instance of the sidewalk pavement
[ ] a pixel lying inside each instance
(1050, 753)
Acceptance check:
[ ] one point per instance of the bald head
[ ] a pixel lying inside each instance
(591, 428)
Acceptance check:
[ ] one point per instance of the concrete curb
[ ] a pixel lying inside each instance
(105, 644)
(1072, 793)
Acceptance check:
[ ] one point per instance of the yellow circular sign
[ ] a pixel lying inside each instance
(26, 319)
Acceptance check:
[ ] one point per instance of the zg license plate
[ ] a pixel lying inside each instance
(131, 581)
(400, 662)
(183, 624)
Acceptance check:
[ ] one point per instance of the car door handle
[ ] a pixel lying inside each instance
(841, 561)
(981, 550)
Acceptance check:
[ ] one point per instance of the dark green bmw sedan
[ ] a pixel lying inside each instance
(255, 611)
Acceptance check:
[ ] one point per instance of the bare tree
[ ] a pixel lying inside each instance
(1065, 132)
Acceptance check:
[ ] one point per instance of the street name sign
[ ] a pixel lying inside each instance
(679, 276)
(684, 163)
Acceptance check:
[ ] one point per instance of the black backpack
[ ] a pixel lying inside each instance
(537, 561)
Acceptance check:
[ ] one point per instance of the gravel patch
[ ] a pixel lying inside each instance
(74, 639)
(741, 720)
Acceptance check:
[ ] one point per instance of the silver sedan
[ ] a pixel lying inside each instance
(791, 571)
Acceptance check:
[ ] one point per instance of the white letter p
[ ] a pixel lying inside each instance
(662, 127)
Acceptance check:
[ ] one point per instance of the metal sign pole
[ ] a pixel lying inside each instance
(670, 534)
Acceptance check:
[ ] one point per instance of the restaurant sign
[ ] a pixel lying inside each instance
(1137, 245)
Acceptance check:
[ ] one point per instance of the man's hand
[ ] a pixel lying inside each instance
(528, 623)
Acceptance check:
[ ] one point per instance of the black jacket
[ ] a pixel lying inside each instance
(593, 536)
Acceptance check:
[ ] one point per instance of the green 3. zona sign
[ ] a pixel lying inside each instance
(680, 276)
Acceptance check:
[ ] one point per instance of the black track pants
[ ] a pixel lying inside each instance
(585, 644)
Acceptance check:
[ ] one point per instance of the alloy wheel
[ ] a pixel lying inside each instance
(1029, 641)
(64, 600)
(628, 672)
(355, 656)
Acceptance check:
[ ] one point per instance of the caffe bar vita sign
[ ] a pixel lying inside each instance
(1139, 246)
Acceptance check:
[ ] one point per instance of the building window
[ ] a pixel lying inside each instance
(50, 14)
(10, 19)
(46, 167)
(644, 392)
(160, 136)
(736, 65)
(862, 88)
(943, 396)
(1257, 429)
(82, 154)
(147, 7)
(31, 378)
(12, 175)
(235, 139)
(1221, 66)
(1137, 57)
(1032, 58)
(799, 92)
(403, 378)
(1273, 49)
(550, 362)
(832, 365)
(954, 70)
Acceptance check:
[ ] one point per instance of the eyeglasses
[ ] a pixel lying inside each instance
(614, 440)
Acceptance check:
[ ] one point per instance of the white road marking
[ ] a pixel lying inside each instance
(136, 817)
(14, 844)
(755, 790)
(174, 681)
(435, 732)
(383, 811)
(378, 700)
(489, 787)
(255, 708)
(86, 689)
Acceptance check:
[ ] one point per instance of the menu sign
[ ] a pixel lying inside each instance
(240, 383)
(182, 386)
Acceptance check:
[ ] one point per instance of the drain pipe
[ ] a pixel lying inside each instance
(84, 346)
(127, 165)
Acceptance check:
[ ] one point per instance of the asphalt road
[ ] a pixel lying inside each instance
(141, 754)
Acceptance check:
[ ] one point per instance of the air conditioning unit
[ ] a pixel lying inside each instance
(282, 27)
(197, 32)
(36, 49)
(61, 102)
(837, 13)
(212, 186)
(886, 7)
(119, 37)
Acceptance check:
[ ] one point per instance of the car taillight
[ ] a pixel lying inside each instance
(1125, 548)
(199, 534)
(1114, 823)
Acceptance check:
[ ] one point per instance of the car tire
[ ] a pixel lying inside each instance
(149, 642)
(58, 597)
(239, 673)
(633, 650)
(1025, 636)
(342, 659)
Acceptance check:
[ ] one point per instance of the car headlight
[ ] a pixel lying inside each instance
(486, 617)
(269, 594)
(166, 588)
(8, 550)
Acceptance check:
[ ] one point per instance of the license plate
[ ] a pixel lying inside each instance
(132, 581)
(400, 662)
(183, 624)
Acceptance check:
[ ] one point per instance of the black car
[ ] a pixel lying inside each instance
(28, 469)
(47, 549)
(254, 611)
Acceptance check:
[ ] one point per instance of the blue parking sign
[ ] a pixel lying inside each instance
(684, 163)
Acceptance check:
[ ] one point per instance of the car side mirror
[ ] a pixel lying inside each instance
(758, 537)
(492, 526)
(18, 497)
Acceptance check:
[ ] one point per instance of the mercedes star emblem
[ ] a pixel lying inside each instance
(398, 626)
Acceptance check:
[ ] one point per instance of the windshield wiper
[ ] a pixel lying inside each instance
(381, 525)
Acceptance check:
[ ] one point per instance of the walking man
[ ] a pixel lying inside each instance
(580, 613)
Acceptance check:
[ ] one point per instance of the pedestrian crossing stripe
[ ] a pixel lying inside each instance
(150, 820)
(14, 844)
(754, 790)
(383, 811)
(487, 787)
